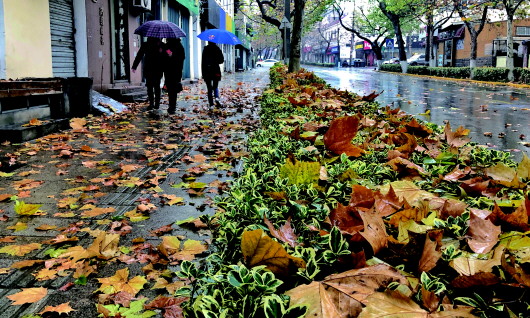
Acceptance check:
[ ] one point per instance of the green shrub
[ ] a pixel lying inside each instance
(391, 68)
(420, 70)
(491, 74)
(522, 75)
(452, 72)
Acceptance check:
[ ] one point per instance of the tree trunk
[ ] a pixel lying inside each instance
(396, 23)
(473, 54)
(509, 47)
(428, 46)
(296, 39)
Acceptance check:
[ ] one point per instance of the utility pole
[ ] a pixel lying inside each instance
(287, 31)
(285, 26)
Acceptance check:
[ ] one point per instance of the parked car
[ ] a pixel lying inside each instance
(418, 59)
(267, 63)
(394, 60)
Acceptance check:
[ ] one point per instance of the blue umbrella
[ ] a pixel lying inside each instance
(160, 29)
(219, 36)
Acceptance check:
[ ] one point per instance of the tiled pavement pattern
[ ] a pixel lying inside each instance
(135, 148)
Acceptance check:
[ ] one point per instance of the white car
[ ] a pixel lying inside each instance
(267, 63)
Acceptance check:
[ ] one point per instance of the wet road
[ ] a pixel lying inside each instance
(502, 111)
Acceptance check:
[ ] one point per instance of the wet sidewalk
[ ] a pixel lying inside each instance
(114, 193)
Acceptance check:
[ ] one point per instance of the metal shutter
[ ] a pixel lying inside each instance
(62, 34)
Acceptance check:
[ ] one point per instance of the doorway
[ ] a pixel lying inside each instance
(120, 40)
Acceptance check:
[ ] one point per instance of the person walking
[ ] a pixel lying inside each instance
(174, 61)
(212, 56)
(151, 52)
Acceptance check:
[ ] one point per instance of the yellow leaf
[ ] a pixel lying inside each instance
(190, 249)
(300, 172)
(260, 249)
(28, 295)
(20, 226)
(23, 208)
(169, 246)
(136, 216)
(19, 250)
(119, 282)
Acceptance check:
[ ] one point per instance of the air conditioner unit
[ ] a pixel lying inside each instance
(142, 4)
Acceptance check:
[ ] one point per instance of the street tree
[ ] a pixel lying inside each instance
(273, 11)
(397, 11)
(369, 25)
(474, 16)
(511, 7)
(434, 14)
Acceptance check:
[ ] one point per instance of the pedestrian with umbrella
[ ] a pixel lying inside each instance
(155, 31)
(151, 52)
(174, 61)
(212, 57)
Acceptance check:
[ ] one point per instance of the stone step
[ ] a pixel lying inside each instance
(19, 133)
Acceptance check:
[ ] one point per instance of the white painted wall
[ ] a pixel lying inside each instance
(2, 43)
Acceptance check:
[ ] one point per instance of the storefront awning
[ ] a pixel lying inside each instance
(191, 5)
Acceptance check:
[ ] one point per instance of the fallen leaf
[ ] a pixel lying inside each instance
(285, 233)
(260, 249)
(28, 295)
(120, 282)
(341, 295)
(340, 134)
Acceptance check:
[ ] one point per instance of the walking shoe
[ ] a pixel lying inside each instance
(217, 102)
(172, 111)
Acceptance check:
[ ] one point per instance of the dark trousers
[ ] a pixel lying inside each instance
(211, 85)
(153, 90)
(171, 87)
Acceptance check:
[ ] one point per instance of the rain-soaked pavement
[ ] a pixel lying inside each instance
(500, 110)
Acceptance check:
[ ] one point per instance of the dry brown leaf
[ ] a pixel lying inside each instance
(340, 134)
(395, 304)
(374, 230)
(28, 295)
(483, 235)
(341, 295)
(285, 233)
(260, 249)
(431, 251)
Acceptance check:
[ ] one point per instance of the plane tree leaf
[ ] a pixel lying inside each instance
(120, 282)
(431, 251)
(259, 249)
(483, 234)
(340, 134)
(374, 230)
(342, 295)
(456, 138)
(60, 309)
(20, 250)
(22, 208)
(28, 295)
(300, 172)
(395, 304)
(285, 233)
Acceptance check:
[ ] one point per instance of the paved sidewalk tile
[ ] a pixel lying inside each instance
(106, 174)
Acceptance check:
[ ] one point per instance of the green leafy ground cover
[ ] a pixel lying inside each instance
(348, 209)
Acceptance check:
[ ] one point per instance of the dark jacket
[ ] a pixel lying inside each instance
(173, 64)
(212, 56)
(151, 51)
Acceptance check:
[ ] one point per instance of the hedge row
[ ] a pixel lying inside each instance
(489, 74)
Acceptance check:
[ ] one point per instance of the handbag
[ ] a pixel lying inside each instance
(179, 87)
